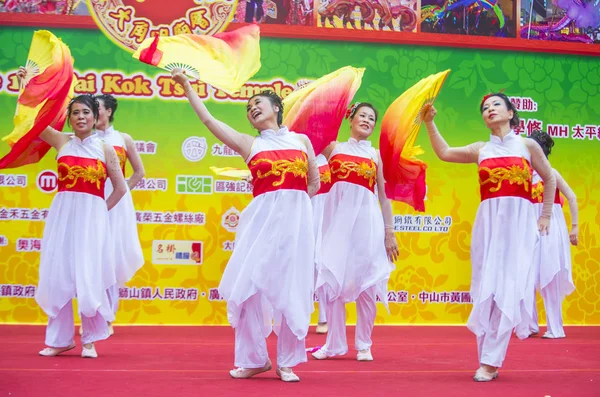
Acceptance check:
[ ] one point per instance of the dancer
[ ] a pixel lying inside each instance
(553, 270)
(318, 203)
(504, 234)
(271, 268)
(358, 237)
(76, 257)
(127, 249)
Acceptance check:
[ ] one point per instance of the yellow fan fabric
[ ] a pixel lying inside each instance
(403, 172)
(318, 109)
(226, 60)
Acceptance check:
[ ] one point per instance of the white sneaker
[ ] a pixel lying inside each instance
(287, 376)
(55, 351)
(245, 373)
(548, 335)
(89, 353)
(320, 354)
(481, 375)
(364, 355)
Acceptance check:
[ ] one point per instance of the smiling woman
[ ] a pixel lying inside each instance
(76, 255)
(270, 272)
(505, 235)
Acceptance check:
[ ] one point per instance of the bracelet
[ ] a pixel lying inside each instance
(191, 89)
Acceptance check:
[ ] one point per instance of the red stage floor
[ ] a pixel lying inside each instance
(194, 361)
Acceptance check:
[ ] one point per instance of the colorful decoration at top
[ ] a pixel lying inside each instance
(318, 109)
(226, 60)
(46, 91)
(405, 174)
(436, 13)
(129, 22)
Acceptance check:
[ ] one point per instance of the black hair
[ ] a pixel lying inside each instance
(359, 105)
(514, 122)
(544, 140)
(86, 99)
(275, 101)
(110, 102)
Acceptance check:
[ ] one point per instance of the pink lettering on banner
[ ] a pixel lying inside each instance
(23, 245)
(191, 294)
(17, 290)
(157, 294)
(30, 291)
(150, 293)
(402, 296)
(558, 130)
(146, 293)
(5, 290)
(392, 296)
(533, 125)
(213, 295)
(423, 296)
(465, 297)
(590, 131)
(577, 132)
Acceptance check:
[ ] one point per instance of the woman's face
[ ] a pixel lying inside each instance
(363, 122)
(261, 112)
(495, 112)
(103, 116)
(82, 119)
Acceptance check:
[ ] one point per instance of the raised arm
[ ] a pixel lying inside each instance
(136, 162)
(540, 163)
(566, 190)
(239, 142)
(116, 176)
(464, 154)
(391, 245)
(314, 179)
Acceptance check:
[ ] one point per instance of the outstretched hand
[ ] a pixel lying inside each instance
(428, 113)
(178, 75)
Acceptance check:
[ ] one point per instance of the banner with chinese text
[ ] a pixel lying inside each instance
(187, 216)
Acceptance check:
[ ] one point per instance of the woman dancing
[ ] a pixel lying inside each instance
(553, 270)
(272, 265)
(76, 258)
(358, 240)
(506, 224)
(127, 249)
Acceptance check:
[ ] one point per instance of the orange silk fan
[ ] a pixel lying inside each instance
(403, 172)
(226, 60)
(46, 91)
(318, 109)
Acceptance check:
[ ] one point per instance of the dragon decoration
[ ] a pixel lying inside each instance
(387, 10)
(577, 14)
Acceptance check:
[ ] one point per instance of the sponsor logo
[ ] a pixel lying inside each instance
(47, 181)
(194, 148)
(231, 219)
(177, 252)
(194, 184)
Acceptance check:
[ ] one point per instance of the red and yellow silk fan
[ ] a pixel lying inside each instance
(318, 109)
(404, 173)
(226, 60)
(45, 94)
